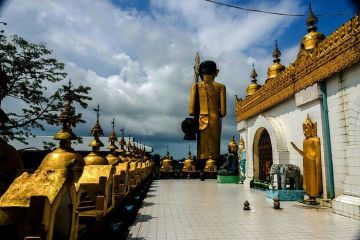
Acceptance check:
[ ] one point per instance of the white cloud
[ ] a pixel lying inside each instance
(139, 64)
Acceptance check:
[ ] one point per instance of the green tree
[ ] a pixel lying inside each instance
(26, 72)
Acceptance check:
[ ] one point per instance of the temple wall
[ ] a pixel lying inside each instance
(287, 118)
(344, 120)
(284, 124)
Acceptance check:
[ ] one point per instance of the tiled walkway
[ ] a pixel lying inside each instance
(191, 209)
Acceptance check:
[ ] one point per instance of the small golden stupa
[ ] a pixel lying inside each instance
(253, 87)
(122, 150)
(189, 164)
(166, 163)
(313, 37)
(95, 158)
(112, 157)
(210, 165)
(64, 156)
(129, 150)
(276, 67)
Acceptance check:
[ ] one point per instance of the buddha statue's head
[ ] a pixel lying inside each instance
(208, 71)
(233, 147)
(309, 128)
(241, 144)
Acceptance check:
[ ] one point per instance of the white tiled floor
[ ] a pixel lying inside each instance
(191, 209)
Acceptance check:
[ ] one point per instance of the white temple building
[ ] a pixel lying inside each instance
(324, 83)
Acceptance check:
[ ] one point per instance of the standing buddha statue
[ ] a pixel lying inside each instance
(208, 104)
(312, 176)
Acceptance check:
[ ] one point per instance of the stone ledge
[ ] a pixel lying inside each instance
(346, 205)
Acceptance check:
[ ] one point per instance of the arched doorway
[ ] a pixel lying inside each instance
(265, 156)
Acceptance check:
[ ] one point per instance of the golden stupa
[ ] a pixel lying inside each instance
(95, 158)
(189, 164)
(253, 86)
(166, 163)
(210, 165)
(112, 157)
(122, 151)
(276, 67)
(313, 37)
(64, 156)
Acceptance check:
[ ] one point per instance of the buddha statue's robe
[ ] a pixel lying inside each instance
(312, 180)
(212, 107)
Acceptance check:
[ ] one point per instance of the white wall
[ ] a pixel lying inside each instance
(344, 107)
(290, 119)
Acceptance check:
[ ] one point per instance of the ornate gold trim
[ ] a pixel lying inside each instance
(338, 51)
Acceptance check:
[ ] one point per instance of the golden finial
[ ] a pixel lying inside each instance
(112, 156)
(276, 67)
(311, 20)
(96, 131)
(94, 157)
(253, 74)
(64, 156)
(167, 152)
(276, 53)
(312, 38)
(128, 146)
(253, 87)
(112, 137)
(67, 119)
(122, 140)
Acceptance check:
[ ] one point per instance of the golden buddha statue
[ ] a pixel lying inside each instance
(313, 37)
(94, 157)
(253, 86)
(276, 67)
(112, 157)
(208, 104)
(312, 180)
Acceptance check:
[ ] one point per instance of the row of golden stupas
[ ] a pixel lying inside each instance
(308, 43)
(69, 188)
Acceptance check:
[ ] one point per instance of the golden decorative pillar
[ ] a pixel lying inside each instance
(112, 157)
(95, 157)
(208, 105)
(253, 86)
(312, 174)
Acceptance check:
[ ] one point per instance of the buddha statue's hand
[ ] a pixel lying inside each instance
(297, 149)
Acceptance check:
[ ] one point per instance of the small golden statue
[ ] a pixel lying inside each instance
(312, 180)
(208, 105)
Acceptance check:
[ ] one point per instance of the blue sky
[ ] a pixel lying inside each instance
(137, 55)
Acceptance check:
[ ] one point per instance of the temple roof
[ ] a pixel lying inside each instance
(335, 53)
